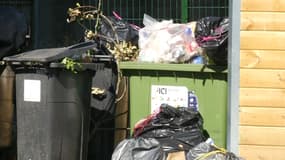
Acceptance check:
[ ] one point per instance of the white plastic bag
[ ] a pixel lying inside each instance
(166, 42)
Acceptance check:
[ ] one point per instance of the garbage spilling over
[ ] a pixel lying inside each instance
(171, 134)
(198, 42)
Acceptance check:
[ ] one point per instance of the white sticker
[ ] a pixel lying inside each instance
(32, 90)
(176, 96)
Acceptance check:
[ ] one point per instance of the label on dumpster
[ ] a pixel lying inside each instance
(32, 90)
(176, 96)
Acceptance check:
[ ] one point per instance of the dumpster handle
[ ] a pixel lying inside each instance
(212, 78)
(140, 74)
(157, 75)
(175, 76)
(193, 75)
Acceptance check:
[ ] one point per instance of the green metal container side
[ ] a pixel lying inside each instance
(208, 85)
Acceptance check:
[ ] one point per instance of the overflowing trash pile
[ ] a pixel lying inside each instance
(203, 41)
(171, 134)
(200, 42)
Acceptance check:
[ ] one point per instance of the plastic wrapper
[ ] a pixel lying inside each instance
(139, 149)
(148, 20)
(166, 42)
(211, 34)
(206, 151)
(177, 129)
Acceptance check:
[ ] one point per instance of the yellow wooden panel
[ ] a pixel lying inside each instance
(260, 40)
(262, 78)
(122, 107)
(262, 97)
(257, 116)
(263, 5)
(252, 152)
(265, 21)
(272, 136)
(262, 59)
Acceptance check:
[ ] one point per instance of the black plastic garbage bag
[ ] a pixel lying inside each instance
(123, 29)
(205, 151)
(211, 34)
(177, 129)
(139, 149)
(102, 108)
(13, 31)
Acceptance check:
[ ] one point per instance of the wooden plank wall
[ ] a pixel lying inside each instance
(262, 80)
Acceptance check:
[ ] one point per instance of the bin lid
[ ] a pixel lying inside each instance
(52, 54)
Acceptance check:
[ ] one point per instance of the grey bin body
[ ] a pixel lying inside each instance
(52, 106)
(55, 127)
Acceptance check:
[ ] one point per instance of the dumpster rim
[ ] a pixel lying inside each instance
(172, 67)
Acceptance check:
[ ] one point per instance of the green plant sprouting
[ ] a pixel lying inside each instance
(71, 65)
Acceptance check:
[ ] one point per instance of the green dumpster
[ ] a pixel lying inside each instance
(210, 86)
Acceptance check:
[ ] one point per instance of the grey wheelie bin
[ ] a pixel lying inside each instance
(52, 103)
